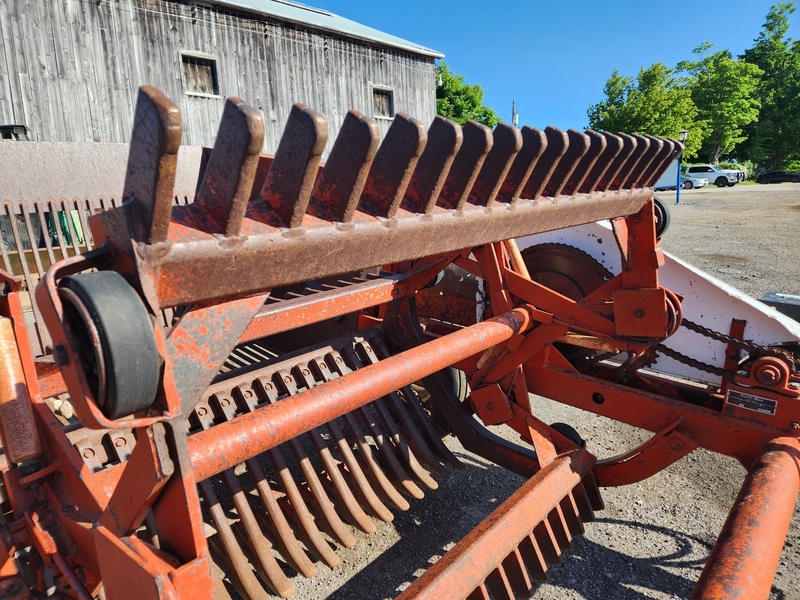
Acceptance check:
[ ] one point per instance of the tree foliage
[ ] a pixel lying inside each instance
(655, 103)
(775, 139)
(461, 101)
(724, 92)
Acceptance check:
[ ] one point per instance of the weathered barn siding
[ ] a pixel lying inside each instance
(69, 69)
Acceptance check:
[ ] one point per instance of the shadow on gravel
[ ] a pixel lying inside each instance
(593, 570)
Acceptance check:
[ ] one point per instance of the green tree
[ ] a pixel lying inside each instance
(724, 91)
(461, 101)
(654, 103)
(775, 139)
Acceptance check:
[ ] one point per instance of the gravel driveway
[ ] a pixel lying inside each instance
(652, 539)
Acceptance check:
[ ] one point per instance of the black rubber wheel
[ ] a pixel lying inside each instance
(569, 432)
(687, 185)
(721, 182)
(795, 179)
(122, 367)
(662, 216)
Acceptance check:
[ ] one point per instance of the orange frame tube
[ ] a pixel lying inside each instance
(745, 557)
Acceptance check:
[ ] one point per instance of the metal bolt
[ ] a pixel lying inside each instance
(88, 453)
(202, 411)
(248, 394)
(490, 405)
(120, 442)
(794, 385)
(338, 359)
(287, 379)
(267, 386)
(225, 402)
(638, 313)
(676, 444)
(795, 425)
(306, 372)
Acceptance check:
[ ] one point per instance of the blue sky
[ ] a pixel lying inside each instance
(553, 57)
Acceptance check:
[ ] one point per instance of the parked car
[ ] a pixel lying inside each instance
(688, 183)
(778, 177)
(716, 175)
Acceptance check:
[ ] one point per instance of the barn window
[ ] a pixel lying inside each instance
(200, 75)
(383, 102)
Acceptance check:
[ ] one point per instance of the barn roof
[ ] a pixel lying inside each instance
(321, 19)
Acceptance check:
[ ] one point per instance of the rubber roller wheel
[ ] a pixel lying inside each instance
(661, 212)
(115, 341)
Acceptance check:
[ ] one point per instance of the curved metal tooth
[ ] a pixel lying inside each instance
(228, 181)
(233, 552)
(642, 167)
(354, 471)
(629, 166)
(152, 160)
(325, 508)
(308, 528)
(507, 143)
(672, 149)
(444, 141)
(597, 144)
(271, 573)
(603, 163)
(571, 514)
(556, 146)
(466, 166)
(610, 176)
(291, 177)
(382, 432)
(664, 149)
(341, 181)
(344, 494)
(374, 472)
(288, 546)
(577, 147)
(399, 412)
(393, 167)
(534, 143)
(517, 575)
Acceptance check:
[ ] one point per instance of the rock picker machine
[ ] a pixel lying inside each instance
(207, 394)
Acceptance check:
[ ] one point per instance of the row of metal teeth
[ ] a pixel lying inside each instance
(415, 170)
(355, 468)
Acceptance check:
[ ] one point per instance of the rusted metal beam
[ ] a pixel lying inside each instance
(745, 557)
(230, 443)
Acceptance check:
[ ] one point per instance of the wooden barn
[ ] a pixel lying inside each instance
(69, 69)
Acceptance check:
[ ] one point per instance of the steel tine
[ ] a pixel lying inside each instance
(152, 160)
(355, 471)
(547, 542)
(375, 471)
(466, 166)
(556, 147)
(480, 593)
(382, 434)
(643, 166)
(583, 503)
(231, 169)
(233, 551)
(506, 146)
(532, 556)
(399, 443)
(289, 546)
(569, 508)
(665, 147)
(675, 151)
(577, 147)
(602, 164)
(597, 144)
(498, 584)
(628, 149)
(341, 181)
(393, 167)
(627, 168)
(326, 511)
(560, 528)
(517, 574)
(632, 169)
(534, 143)
(343, 492)
(444, 141)
(399, 411)
(291, 177)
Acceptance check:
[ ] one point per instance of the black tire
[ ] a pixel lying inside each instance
(687, 185)
(795, 179)
(662, 216)
(731, 184)
(569, 432)
(123, 369)
(721, 182)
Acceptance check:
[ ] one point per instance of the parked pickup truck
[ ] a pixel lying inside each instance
(716, 175)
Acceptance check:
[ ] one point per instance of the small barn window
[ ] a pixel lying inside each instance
(383, 102)
(200, 75)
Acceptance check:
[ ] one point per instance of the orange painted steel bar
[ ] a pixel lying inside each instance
(227, 444)
(745, 557)
(459, 572)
